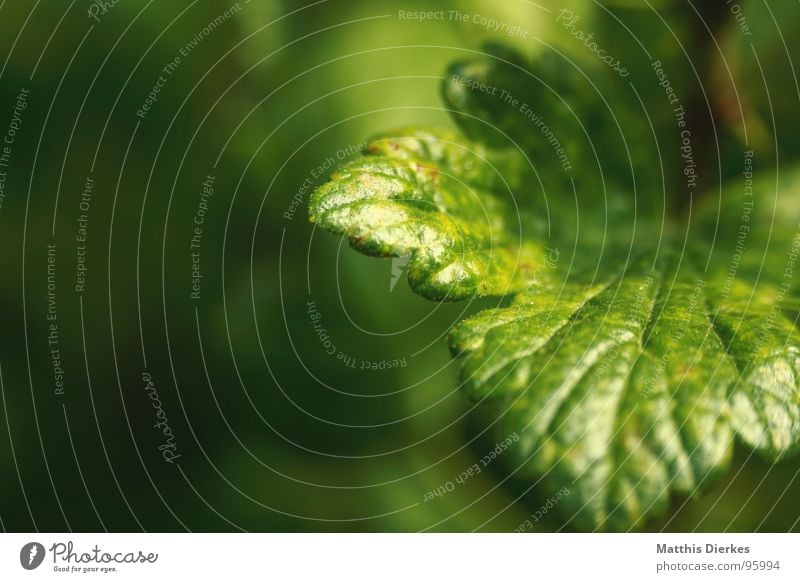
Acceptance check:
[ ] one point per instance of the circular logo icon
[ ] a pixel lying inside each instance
(31, 555)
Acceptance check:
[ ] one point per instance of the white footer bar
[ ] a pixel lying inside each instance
(400, 557)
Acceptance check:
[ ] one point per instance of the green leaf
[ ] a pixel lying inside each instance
(632, 389)
(443, 200)
(635, 348)
(575, 123)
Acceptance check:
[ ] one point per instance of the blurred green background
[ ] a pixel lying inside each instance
(274, 433)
